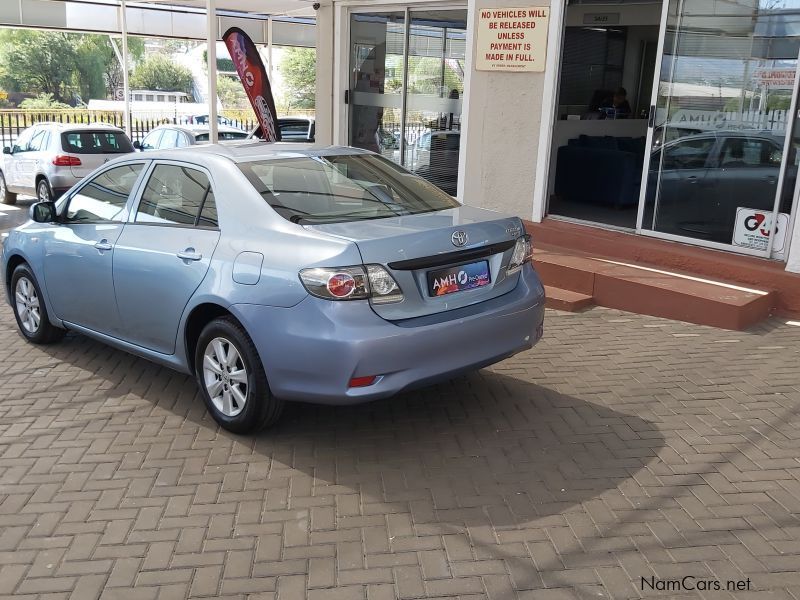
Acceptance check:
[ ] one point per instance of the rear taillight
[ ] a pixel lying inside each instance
(523, 251)
(371, 282)
(64, 160)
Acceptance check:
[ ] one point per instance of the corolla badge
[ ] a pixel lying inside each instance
(459, 238)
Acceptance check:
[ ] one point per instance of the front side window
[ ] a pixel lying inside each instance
(688, 153)
(177, 195)
(104, 197)
(150, 141)
(340, 188)
(23, 140)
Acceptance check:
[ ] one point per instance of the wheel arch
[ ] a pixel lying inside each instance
(200, 316)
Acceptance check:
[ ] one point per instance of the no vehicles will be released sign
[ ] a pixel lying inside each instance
(512, 39)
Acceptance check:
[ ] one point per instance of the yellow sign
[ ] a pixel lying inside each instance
(512, 39)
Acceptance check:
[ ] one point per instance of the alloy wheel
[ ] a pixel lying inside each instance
(43, 192)
(225, 376)
(27, 304)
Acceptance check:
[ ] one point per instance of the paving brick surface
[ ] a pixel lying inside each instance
(620, 448)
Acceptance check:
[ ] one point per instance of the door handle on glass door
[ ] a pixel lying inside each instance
(189, 254)
(103, 245)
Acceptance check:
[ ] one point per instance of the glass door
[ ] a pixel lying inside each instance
(722, 168)
(406, 88)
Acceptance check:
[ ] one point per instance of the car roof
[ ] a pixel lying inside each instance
(198, 129)
(251, 150)
(78, 126)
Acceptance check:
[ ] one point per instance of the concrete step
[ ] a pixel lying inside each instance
(652, 291)
(674, 257)
(567, 300)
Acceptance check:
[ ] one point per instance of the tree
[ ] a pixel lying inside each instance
(299, 70)
(42, 102)
(62, 64)
(99, 70)
(231, 93)
(37, 61)
(158, 72)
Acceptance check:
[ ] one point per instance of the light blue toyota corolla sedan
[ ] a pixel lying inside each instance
(276, 272)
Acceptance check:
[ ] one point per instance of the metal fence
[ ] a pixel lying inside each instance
(12, 122)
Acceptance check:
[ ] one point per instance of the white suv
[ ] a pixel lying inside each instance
(49, 158)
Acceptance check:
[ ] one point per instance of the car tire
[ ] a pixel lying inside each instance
(234, 387)
(6, 197)
(30, 309)
(43, 191)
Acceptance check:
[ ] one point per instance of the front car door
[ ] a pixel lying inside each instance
(79, 249)
(14, 160)
(29, 164)
(164, 253)
(684, 196)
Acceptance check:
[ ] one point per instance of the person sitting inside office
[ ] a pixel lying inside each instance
(622, 107)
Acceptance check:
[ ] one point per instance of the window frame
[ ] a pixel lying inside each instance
(62, 206)
(142, 185)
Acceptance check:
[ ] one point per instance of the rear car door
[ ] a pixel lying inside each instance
(164, 253)
(79, 249)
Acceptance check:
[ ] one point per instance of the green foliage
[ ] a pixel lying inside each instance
(64, 65)
(158, 72)
(37, 61)
(231, 93)
(224, 64)
(42, 102)
(299, 70)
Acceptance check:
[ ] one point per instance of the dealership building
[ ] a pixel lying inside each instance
(651, 126)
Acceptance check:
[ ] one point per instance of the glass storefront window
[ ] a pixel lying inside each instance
(419, 126)
(723, 98)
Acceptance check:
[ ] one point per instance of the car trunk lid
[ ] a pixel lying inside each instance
(431, 255)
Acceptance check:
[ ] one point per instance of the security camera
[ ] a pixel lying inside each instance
(316, 5)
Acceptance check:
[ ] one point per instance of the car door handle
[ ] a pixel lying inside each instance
(692, 179)
(771, 180)
(103, 245)
(190, 254)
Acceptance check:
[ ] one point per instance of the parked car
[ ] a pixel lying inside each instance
(49, 158)
(293, 129)
(222, 120)
(434, 156)
(165, 137)
(705, 177)
(276, 273)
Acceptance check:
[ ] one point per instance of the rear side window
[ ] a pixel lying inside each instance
(177, 195)
(95, 142)
(169, 139)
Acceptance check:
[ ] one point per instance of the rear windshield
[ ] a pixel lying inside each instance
(336, 189)
(95, 142)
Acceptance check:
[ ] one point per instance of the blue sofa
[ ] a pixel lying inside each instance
(601, 170)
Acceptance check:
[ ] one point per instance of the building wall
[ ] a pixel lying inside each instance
(501, 120)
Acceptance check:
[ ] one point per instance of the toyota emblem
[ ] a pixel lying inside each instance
(459, 238)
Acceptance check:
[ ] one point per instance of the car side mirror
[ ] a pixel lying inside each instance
(43, 212)
(137, 145)
(6, 150)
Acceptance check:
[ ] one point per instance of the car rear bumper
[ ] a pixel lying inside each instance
(312, 350)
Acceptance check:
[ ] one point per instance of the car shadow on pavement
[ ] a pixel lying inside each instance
(486, 449)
